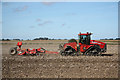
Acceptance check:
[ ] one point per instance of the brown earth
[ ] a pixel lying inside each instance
(57, 66)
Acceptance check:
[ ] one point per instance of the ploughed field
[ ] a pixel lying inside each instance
(57, 66)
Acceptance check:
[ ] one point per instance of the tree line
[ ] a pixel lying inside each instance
(45, 38)
(41, 38)
(110, 39)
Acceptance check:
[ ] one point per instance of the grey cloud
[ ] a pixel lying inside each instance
(47, 3)
(63, 24)
(38, 20)
(21, 9)
(44, 23)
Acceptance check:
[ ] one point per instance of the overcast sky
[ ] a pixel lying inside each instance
(29, 20)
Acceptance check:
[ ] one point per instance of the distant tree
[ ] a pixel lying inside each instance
(117, 39)
(45, 38)
(17, 39)
(49, 39)
(102, 39)
(36, 39)
(5, 39)
(106, 39)
(111, 39)
(53, 39)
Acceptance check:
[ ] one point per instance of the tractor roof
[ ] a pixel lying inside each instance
(85, 33)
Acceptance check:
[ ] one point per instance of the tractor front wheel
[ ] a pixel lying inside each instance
(94, 52)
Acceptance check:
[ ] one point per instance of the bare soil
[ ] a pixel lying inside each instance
(57, 66)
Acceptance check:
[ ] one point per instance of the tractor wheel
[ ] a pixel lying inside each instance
(62, 53)
(73, 54)
(94, 51)
(70, 51)
(13, 51)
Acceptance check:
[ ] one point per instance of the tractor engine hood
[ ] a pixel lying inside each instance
(96, 42)
(101, 44)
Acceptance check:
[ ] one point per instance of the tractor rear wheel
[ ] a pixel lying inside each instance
(13, 51)
(70, 51)
(94, 51)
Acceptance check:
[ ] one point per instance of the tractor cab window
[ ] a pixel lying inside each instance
(84, 39)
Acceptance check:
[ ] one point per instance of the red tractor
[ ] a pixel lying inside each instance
(86, 46)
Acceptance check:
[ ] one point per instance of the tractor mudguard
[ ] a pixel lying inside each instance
(72, 45)
(68, 47)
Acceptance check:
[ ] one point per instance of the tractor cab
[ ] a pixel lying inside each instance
(84, 38)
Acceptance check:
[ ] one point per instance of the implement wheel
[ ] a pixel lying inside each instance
(13, 51)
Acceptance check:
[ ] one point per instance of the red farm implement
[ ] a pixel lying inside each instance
(18, 50)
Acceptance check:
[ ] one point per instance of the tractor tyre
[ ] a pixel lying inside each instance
(13, 51)
(73, 54)
(62, 53)
(70, 51)
(94, 51)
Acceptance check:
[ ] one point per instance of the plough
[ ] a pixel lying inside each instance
(18, 50)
